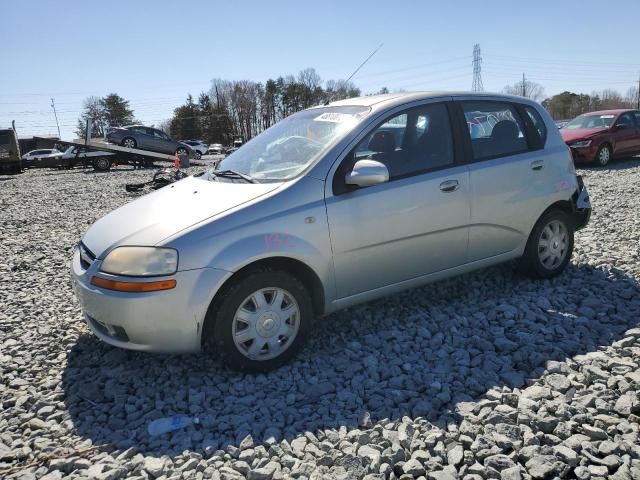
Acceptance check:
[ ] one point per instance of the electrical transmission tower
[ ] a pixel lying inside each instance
(477, 69)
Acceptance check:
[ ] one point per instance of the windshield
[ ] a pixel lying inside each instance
(287, 148)
(590, 121)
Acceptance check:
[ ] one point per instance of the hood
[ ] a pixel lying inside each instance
(580, 133)
(165, 212)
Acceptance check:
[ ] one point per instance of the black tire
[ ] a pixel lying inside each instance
(602, 158)
(222, 312)
(197, 155)
(124, 140)
(181, 151)
(101, 164)
(530, 263)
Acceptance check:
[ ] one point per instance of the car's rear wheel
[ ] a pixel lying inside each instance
(102, 164)
(197, 155)
(129, 142)
(181, 151)
(604, 155)
(261, 321)
(550, 245)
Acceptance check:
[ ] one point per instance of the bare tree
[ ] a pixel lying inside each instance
(340, 89)
(309, 78)
(611, 98)
(526, 88)
(165, 126)
(93, 109)
(632, 97)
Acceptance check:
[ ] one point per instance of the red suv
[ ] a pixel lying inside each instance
(600, 136)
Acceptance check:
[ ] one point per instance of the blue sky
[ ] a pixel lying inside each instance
(154, 53)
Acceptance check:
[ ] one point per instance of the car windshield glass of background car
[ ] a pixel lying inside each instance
(286, 149)
(590, 121)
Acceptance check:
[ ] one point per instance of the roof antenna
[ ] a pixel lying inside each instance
(358, 69)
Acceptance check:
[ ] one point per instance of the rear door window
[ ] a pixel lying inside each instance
(495, 129)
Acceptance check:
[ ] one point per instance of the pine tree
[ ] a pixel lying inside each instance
(116, 111)
(112, 110)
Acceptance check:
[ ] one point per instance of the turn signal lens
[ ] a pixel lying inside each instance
(133, 287)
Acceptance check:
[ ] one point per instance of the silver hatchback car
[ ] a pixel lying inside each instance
(333, 206)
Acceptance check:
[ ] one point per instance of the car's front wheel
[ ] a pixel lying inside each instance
(604, 155)
(181, 151)
(197, 155)
(261, 321)
(550, 245)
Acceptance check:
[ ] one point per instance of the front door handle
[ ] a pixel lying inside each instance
(537, 165)
(449, 185)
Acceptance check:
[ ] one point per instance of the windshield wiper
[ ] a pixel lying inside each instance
(233, 174)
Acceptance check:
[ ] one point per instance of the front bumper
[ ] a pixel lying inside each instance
(581, 205)
(584, 154)
(168, 321)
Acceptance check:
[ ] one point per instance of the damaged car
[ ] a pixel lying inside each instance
(599, 137)
(331, 207)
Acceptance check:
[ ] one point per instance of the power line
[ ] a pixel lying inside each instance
(477, 69)
(560, 62)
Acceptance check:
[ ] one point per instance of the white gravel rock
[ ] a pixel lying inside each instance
(490, 375)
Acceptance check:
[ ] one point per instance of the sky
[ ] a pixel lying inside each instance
(154, 53)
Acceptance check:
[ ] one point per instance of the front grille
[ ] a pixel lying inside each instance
(87, 257)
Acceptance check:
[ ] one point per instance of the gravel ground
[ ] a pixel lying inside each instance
(489, 375)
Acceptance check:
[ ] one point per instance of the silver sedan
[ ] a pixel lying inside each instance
(333, 206)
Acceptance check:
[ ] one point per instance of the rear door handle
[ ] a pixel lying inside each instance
(449, 185)
(537, 165)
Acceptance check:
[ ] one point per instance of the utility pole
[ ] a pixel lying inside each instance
(53, 105)
(524, 85)
(477, 69)
(638, 96)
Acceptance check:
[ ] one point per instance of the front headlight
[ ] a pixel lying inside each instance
(141, 261)
(581, 143)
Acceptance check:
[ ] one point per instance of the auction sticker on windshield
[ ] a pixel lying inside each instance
(334, 117)
(607, 116)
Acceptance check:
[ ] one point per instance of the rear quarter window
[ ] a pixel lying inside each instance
(538, 123)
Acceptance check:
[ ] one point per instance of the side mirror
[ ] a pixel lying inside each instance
(366, 173)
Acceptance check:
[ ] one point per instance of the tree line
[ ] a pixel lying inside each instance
(244, 108)
(230, 109)
(568, 105)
